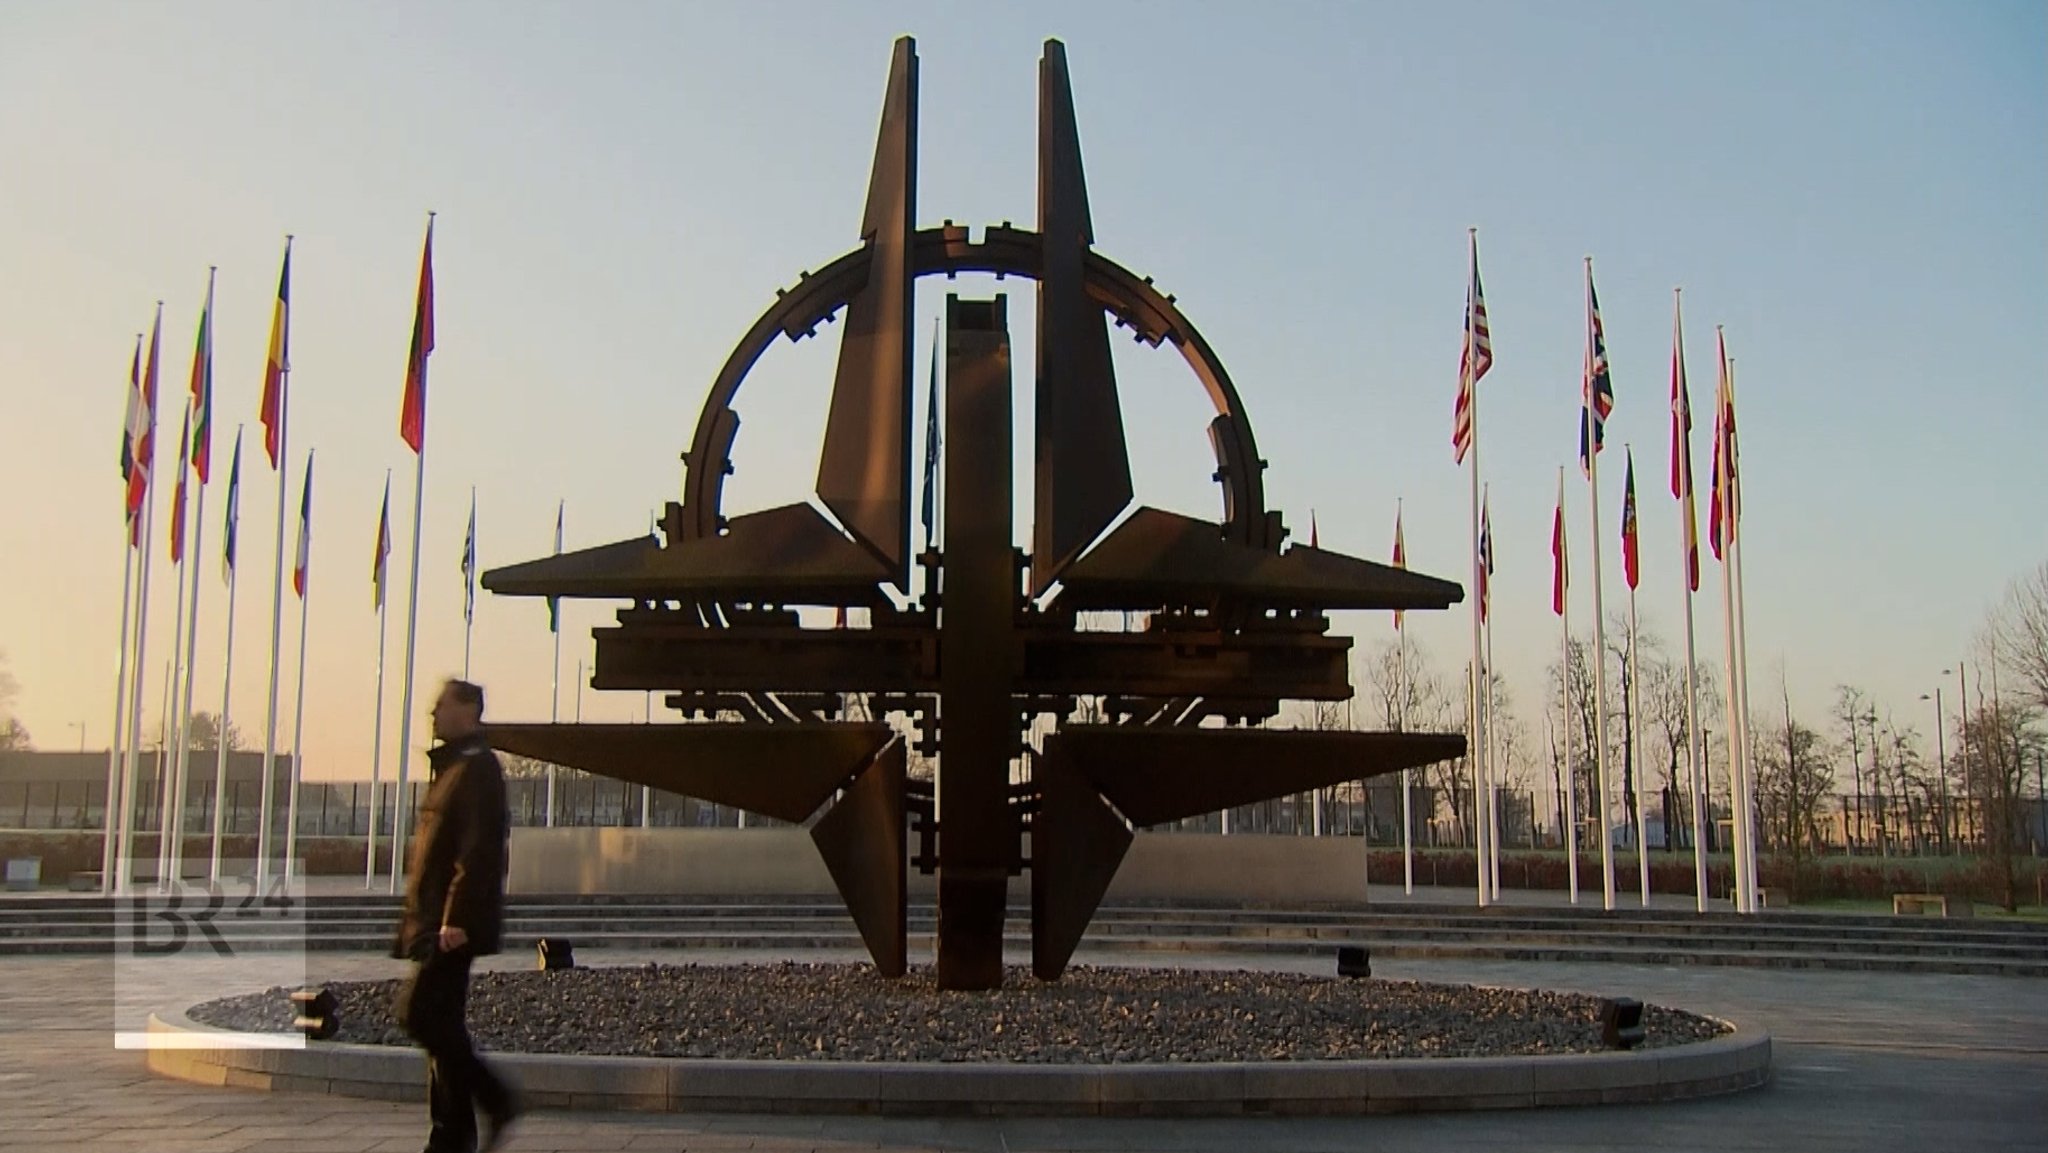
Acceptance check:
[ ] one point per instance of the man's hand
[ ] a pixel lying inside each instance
(453, 938)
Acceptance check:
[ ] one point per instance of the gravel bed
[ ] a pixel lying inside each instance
(1094, 1015)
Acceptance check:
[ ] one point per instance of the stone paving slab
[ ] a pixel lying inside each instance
(1861, 1061)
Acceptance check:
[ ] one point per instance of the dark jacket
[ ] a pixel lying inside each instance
(457, 875)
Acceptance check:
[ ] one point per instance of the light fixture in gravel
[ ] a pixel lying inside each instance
(1353, 961)
(557, 953)
(1621, 1023)
(319, 1014)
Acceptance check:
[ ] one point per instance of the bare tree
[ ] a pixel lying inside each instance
(2019, 632)
(1793, 776)
(1412, 695)
(13, 734)
(1665, 714)
(203, 734)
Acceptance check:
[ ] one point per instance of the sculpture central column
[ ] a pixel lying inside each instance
(977, 835)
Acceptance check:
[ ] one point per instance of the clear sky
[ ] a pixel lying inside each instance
(1855, 189)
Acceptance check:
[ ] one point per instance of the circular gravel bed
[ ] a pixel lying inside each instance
(1094, 1015)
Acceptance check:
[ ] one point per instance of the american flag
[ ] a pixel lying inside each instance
(1474, 359)
(1597, 399)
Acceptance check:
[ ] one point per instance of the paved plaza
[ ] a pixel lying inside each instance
(1863, 1061)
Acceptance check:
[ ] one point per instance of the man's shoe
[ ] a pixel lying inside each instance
(496, 1123)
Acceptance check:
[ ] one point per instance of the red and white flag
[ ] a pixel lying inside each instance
(1560, 564)
(1681, 450)
(303, 565)
(144, 423)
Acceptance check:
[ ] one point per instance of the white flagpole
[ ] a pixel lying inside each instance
(1401, 722)
(377, 726)
(1571, 781)
(291, 822)
(1492, 792)
(1738, 792)
(1635, 752)
(469, 584)
(401, 808)
(227, 682)
(174, 727)
(555, 669)
(1688, 548)
(125, 861)
(194, 547)
(1601, 810)
(1476, 742)
(1742, 648)
(268, 791)
(112, 808)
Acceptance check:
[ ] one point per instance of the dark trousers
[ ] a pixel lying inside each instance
(432, 1007)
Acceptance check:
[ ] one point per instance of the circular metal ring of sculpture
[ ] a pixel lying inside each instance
(1003, 251)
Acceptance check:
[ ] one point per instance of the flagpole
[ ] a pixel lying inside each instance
(125, 863)
(1588, 431)
(377, 726)
(1492, 797)
(555, 668)
(1738, 799)
(1635, 749)
(1401, 722)
(1476, 739)
(1741, 640)
(202, 382)
(174, 728)
(112, 807)
(268, 791)
(1688, 546)
(304, 567)
(469, 584)
(401, 806)
(227, 680)
(1571, 780)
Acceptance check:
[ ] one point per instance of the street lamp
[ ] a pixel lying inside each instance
(1941, 762)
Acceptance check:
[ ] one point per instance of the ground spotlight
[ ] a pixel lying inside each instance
(1621, 1023)
(557, 953)
(1353, 961)
(319, 1014)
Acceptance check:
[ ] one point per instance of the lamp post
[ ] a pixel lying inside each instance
(1941, 762)
(1963, 709)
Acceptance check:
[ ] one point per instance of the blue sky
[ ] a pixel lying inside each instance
(1855, 190)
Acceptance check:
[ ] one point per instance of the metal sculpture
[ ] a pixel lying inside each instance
(966, 660)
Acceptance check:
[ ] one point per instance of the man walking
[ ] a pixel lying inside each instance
(454, 913)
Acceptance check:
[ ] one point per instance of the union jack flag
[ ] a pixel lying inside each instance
(1597, 398)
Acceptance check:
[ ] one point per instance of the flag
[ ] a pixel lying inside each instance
(201, 441)
(412, 415)
(273, 365)
(1485, 556)
(469, 564)
(227, 552)
(555, 603)
(301, 568)
(1313, 539)
(178, 494)
(1681, 449)
(133, 420)
(1631, 560)
(145, 440)
(1597, 395)
(378, 564)
(1725, 507)
(1474, 360)
(1400, 557)
(929, 514)
(1560, 564)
